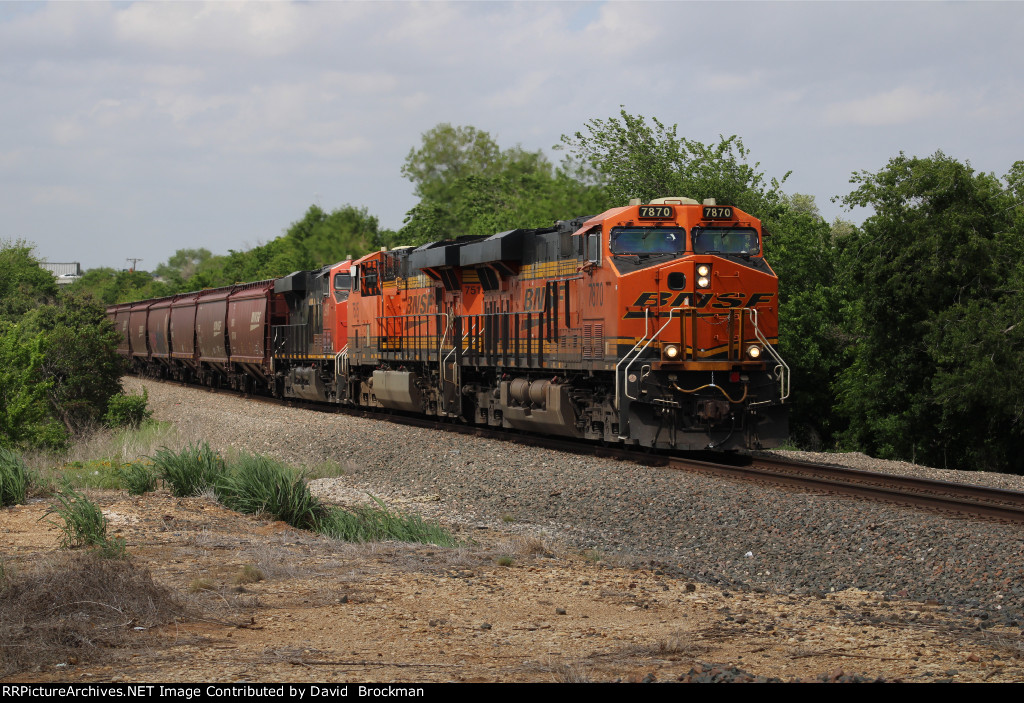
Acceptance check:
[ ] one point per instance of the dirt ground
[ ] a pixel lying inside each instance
(500, 609)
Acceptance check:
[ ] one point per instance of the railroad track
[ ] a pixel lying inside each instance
(966, 500)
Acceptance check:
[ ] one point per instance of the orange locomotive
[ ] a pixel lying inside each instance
(649, 324)
(652, 324)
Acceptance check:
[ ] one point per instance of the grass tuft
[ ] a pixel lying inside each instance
(370, 524)
(82, 524)
(190, 471)
(14, 478)
(138, 478)
(260, 484)
(248, 574)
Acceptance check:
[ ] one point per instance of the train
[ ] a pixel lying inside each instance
(651, 325)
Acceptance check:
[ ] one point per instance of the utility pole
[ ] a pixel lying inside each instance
(134, 261)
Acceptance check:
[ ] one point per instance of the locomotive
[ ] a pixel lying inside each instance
(652, 325)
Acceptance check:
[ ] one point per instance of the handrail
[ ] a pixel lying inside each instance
(782, 369)
(671, 316)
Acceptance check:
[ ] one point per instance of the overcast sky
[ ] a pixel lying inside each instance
(136, 129)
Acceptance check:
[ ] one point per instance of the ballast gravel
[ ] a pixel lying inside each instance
(734, 534)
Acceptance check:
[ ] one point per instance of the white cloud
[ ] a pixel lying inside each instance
(59, 196)
(899, 106)
(257, 29)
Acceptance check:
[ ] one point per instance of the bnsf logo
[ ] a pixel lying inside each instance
(715, 301)
(420, 304)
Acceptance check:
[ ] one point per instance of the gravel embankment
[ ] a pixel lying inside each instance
(735, 534)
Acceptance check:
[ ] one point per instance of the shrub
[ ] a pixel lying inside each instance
(191, 471)
(127, 410)
(14, 478)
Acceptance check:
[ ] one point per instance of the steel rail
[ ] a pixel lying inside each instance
(961, 498)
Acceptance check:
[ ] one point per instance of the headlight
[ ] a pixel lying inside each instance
(703, 282)
(671, 351)
(703, 270)
(754, 351)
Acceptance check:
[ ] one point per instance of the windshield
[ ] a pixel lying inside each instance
(725, 240)
(648, 240)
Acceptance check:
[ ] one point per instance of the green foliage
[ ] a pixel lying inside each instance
(469, 186)
(138, 478)
(182, 265)
(191, 471)
(14, 478)
(58, 360)
(109, 286)
(259, 484)
(933, 277)
(449, 154)
(23, 284)
(25, 419)
(371, 524)
(83, 524)
(812, 335)
(80, 364)
(640, 160)
(127, 410)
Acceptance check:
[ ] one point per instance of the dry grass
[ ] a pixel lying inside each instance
(563, 672)
(248, 574)
(78, 606)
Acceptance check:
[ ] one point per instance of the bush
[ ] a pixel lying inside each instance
(191, 471)
(127, 410)
(14, 478)
(259, 484)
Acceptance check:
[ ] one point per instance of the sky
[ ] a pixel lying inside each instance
(132, 130)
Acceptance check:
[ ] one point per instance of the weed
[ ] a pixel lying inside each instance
(507, 518)
(83, 524)
(326, 469)
(259, 484)
(14, 478)
(505, 561)
(190, 471)
(367, 524)
(95, 473)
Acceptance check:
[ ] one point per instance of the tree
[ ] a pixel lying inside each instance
(646, 161)
(80, 366)
(812, 338)
(448, 154)
(469, 185)
(182, 265)
(25, 420)
(932, 276)
(23, 283)
(109, 286)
